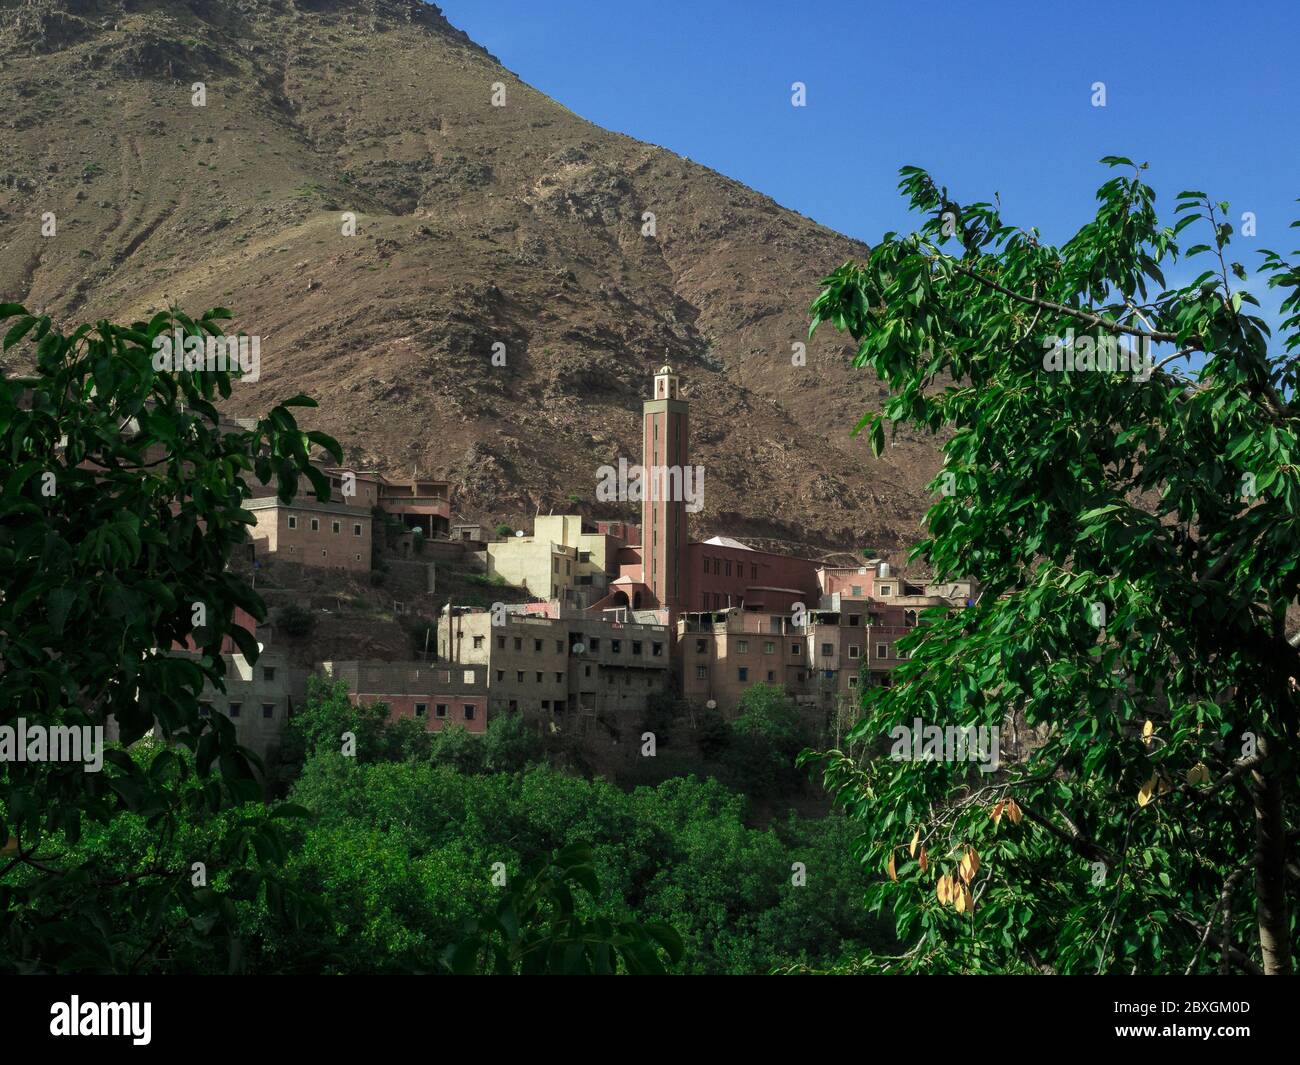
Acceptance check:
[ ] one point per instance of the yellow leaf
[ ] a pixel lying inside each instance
(916, 839)
(889, 867)
(1198, 774)
(997, 811)
(1148, 732)
(1144, 796)
(924, 861)
(945, 889)
(962, 899)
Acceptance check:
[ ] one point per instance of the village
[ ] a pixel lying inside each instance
(577, 621)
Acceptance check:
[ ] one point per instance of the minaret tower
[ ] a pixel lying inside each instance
(663, 517)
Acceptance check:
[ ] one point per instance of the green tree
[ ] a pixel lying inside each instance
(509, 744)
(1134, 531)
(766, 739)
(122, 502)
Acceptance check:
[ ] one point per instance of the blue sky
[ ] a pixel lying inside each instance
(991, 98)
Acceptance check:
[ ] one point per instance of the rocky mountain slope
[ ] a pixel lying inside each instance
(476, 225)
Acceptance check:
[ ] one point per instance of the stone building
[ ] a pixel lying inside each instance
(328, 535)
(438, 694)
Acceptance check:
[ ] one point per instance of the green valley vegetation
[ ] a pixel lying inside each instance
(1133, 519)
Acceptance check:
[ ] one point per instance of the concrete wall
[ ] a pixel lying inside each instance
(313, 534)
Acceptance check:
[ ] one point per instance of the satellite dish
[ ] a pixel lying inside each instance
(712, 704)
(519, 532)
(579, 648)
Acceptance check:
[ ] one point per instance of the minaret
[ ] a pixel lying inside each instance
(663, 510)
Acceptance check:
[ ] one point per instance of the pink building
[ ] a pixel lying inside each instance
(438, 695)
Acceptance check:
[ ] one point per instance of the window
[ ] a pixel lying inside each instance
(828, 649)
(616, 646)
(469, 711)
(594, 642)
(501, 674)
(771, 676)
(537, 646)
(514, 705)
(315, 524)
(293, 521)
(728, 567)
(324, 553)
(441, 710)
(478, 643)
(501, 643)
(235, 709)
(421, 709)
(519, 676)
(636, 647)
(336, 527)
(586, 671)
(657, 649)
(794, 649)
(853, 681)
(358, 557)
(559, 647)
(268, 673)
(909, 618)
(555, 565)
(559, 678)
(356, 528)
(701, 672)
(568, 567)
(584, 556)
(519, 643)
(829, 674)
(742, 647)
(467, 676)
(539, 676)
(769, 648)
(701, 647)
(753, 573)
(882, 650)
(855, 619)
(546, 704)
(857, 589)
(743, 672)
(854, 651)
(268, 711)
(886, 589)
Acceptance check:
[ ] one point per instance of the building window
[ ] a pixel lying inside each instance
(853, 650)
(701, 672)
(828, 649)
(537, 646)
(882, 650)
(467, 676)
(514, 705)
(559, 678)
(886, 589)
(358, 558)
(501, 643)
(519, 643)
(595, 643)
(324, 553)
(701, 647)
(794, 649)
(315, 524)
(829, 674)
(293, 522)
(356, 528)
(728, 567)
(855, 619)
(616, 646)
(478, 643)
(857, 589)
(909, 618)
(268, 673)
(753, 573)
(440, 710)
(769, 648)
(636, 647)
(586, 671)
(771, 676)
(853, 681)
(559, 647)
(469, 711)
(519, 676)
(421, 709)
(268, 711)
(501, 674)
(743, 672)
(539, 676)
(336, 527)
(235, 709)
(742, 646)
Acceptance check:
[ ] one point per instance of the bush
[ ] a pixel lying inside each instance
(296, 621)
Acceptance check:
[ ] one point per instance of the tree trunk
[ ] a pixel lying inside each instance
(1270, 870)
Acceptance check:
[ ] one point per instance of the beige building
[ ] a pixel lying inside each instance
(561, 560)
(329, 535)
(551, 666)
(258, 699)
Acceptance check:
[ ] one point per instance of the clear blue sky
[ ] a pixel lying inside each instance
(990, 97)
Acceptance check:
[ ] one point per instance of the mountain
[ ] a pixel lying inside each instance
(475, 225)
